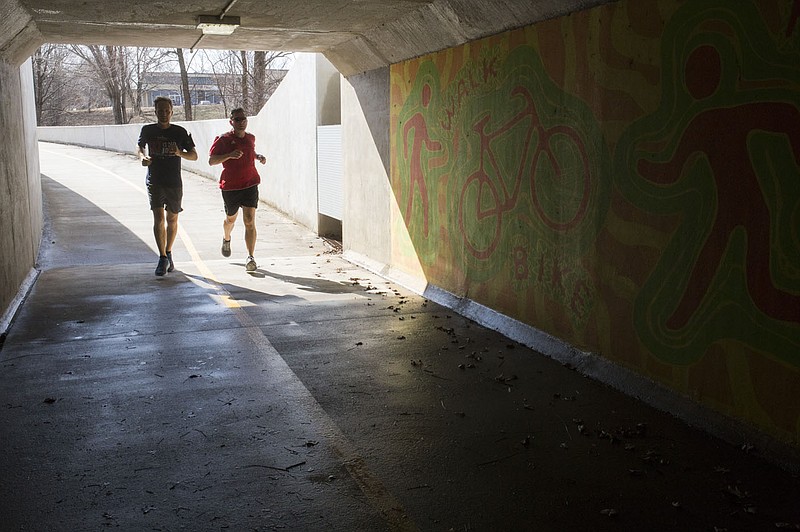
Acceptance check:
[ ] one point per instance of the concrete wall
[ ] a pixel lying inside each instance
(367, 194)
(329, 105)
(624, 179)
(115, 138)
(373, 232)
(287, 135)
(20, 188)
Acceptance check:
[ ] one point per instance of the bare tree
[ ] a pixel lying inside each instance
(247, 79)
(50, 84)
(109, 64)
(222, 77)
(259, 80)
(187, 94)
(265, 76)
(68, 76)
(146, 61)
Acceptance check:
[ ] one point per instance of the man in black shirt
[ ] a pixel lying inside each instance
(166, 145)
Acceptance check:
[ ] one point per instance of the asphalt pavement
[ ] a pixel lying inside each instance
(311, 395)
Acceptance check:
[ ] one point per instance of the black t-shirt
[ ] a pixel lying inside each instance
(165, 168)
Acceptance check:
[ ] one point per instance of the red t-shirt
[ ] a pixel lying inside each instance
(240, 173)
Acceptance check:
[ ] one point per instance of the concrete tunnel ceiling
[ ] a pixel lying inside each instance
(355, 35)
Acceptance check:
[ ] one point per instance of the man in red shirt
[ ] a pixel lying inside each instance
(236, 150)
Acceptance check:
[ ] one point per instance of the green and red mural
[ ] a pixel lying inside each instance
(626, 178)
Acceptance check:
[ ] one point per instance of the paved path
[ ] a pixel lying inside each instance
(311, 395)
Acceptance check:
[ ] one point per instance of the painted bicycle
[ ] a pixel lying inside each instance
(556, 163)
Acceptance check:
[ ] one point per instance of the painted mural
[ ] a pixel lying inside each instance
(625, 178)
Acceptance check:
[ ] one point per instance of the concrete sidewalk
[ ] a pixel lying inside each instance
(312, 395)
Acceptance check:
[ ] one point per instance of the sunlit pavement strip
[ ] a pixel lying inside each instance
(380, 498)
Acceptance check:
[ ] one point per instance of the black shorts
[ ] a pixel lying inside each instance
(246, 197)
(168, 198)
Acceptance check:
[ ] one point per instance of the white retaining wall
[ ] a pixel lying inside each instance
(285, 130)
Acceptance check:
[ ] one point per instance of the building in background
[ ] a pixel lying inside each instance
(205, 88)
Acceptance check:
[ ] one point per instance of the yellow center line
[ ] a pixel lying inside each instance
(204, 270)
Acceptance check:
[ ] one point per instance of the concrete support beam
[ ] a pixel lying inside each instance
(19, 37)
(355, 56)
(442, 24)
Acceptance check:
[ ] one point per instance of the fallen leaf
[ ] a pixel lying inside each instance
(736, 492)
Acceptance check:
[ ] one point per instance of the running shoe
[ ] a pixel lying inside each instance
(163, 264)
(171, 264)
(226, 248)
(250, 265)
